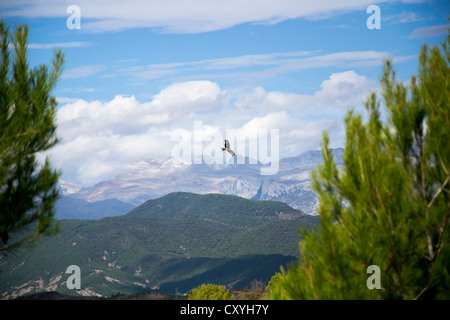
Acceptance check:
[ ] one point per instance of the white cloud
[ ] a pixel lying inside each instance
(82, 71)
(432, 31)
(79, 90)
(404, 17)
(181, 16)
(190, 95)
(124, 114)
(342, 59)
(64, 100)
(344, 89)
(340, 91)
(59, 45)
(258, 66)
(261, 102)
(122, 130)
(154, 71)
(274, 120)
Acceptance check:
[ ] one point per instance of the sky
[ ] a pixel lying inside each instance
(141, 78)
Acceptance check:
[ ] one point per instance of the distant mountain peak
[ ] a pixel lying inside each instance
(68, 188)
(149, 168)
(175, 163)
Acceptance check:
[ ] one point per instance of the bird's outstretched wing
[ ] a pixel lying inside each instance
(227, 147)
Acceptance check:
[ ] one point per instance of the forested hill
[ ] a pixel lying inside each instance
(229, 209)
(171, 244)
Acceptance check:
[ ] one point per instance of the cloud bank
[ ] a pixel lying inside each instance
(99, 139)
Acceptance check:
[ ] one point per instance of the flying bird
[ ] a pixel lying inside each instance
(227, 147)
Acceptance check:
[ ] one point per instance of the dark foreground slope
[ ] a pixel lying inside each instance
(171, 244)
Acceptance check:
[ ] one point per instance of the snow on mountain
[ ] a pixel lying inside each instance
(68, 188)
(145, 169)
(150, 179)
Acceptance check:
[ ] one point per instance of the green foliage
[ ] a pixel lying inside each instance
(256, 291)
(210, 292)
(27, 127)
(274, 282)
(389, 205)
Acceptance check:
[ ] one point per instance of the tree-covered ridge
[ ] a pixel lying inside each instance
(228, 209)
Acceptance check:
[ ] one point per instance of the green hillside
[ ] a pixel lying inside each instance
(229, 209)
(171, 244)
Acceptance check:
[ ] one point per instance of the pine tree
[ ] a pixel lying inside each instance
(28, 190)
(389, 204)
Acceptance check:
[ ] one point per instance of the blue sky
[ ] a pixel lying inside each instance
(138, 74)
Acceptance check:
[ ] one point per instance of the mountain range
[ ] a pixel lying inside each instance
(151, 179)
(74, 208)
(171, 244)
